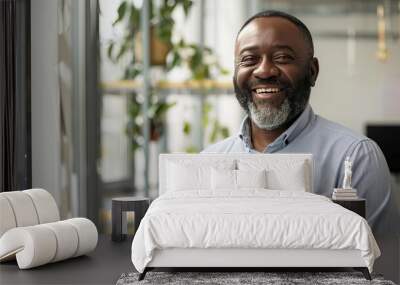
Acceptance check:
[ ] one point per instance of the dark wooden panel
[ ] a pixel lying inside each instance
(357, 206)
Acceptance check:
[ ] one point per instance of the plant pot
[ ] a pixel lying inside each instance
(158, 49)
(155, 130)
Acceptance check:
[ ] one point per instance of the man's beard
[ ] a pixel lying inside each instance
(269, 117)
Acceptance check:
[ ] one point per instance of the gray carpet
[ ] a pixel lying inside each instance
(225, 278)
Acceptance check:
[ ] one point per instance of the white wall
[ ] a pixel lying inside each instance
(115, 149)
(45, 98)
(369, 94)
(354, 87)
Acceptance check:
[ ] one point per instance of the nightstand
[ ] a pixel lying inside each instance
(122, 205)
(357, 206)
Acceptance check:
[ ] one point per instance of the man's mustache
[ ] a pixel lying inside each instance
(268, 81)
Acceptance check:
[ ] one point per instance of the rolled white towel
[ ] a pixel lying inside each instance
(37, 245)
(7, 218)
(87, 234)
(45, 205)
(23, 208)
(66, 238)
(33, 246)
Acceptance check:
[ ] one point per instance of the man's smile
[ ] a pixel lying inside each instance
(267, 92)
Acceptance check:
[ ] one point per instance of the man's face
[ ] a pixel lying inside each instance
(274, 71)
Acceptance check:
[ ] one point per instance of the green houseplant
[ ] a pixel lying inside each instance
(199, 60)
(128, 47)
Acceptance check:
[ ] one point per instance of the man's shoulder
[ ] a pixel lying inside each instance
(341, 138)
(230, 144)
(336, 130)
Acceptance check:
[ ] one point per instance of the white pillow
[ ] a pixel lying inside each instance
(287, 179)
(181, 178)
(251, 178)
(282, 174)
(192, 173)
(226, 179)
(223, 179)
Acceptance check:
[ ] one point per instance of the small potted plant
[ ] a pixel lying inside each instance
(129, 46)
(200, 61)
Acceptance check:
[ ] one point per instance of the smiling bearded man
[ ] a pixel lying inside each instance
(275, 69)
(256, 101)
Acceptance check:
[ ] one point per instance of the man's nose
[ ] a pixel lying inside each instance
(266, 69)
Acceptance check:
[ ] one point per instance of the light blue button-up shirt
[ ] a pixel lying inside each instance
(330, 144)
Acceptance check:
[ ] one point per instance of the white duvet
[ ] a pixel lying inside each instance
(250, 219)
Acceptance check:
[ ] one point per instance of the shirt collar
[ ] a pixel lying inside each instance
(244, 132)
(297, 127)
(286, 137)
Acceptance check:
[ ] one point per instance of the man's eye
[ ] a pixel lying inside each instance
(248, 60)
(284, 58)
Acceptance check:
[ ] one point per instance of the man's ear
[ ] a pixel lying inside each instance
(314, 70)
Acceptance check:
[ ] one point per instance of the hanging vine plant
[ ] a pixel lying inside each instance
(165, 53)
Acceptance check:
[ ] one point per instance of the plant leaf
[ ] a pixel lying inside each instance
(121, 12)
(206, 114)
(187, 4)
(191, 149)
(214, 132)
(110, 50)
(224, 132)
(176, 60)
(123, 49)
(134, 19)
(187, 128)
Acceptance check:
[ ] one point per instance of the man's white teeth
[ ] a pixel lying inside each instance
(267, 90)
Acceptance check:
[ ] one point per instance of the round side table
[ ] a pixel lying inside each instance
(120, 206)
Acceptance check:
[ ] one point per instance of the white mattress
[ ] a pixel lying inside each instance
(253, 218)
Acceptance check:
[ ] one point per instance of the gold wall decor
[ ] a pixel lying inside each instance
(382, 52)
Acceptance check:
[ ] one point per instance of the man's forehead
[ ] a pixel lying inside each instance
(277, 29)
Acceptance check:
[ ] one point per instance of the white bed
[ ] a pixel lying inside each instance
(204, 219)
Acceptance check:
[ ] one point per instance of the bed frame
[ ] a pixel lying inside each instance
(247, 259)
